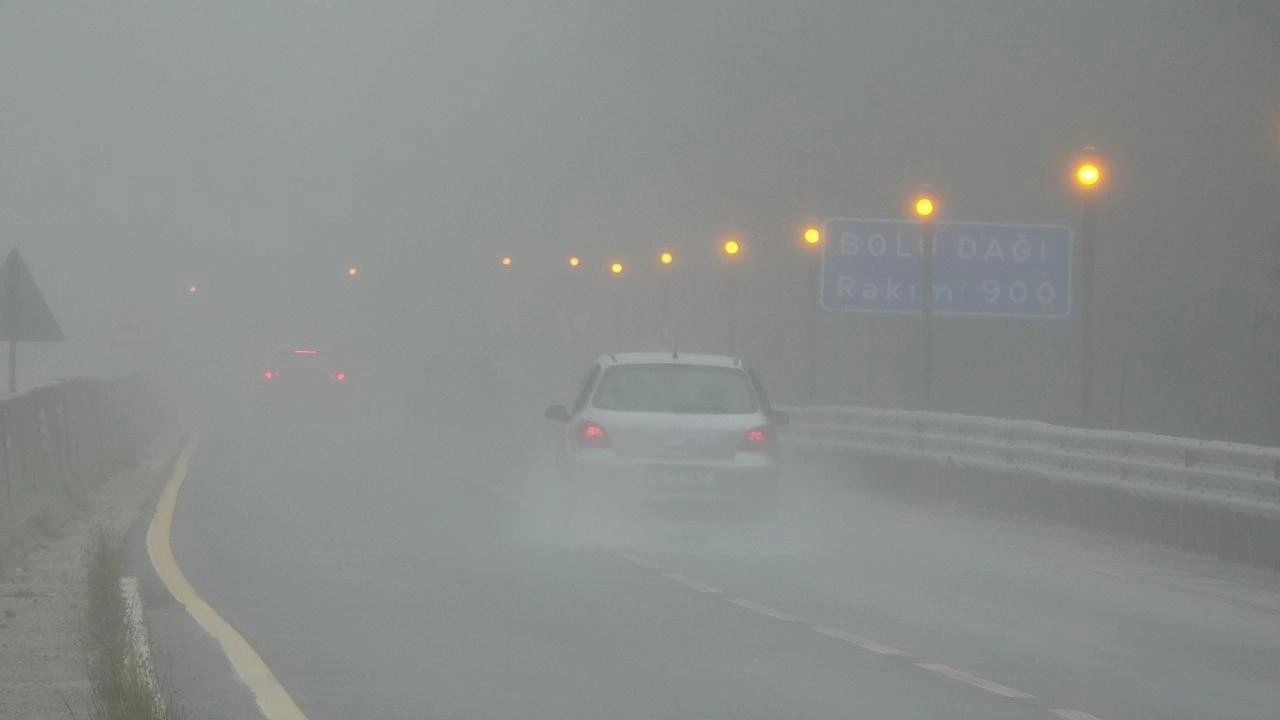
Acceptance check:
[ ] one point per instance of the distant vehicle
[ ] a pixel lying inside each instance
(300, 377)
(671, 426)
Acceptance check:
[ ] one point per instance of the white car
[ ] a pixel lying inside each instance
(671, 426)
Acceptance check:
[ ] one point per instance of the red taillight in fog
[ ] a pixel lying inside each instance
(761, 438)
(593, 435)
(339, 376)
(268, 375)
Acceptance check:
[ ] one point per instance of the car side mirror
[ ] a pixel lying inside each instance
(778, 418)
(558, 413)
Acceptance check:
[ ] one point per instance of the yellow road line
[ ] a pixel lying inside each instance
(272, 698)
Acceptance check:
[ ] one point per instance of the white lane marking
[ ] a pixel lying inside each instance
(639, 561)
(1074, 715)
(861, 642)
(964, 677)
(136, 629)
(691, 583)
(764, 610)
(1094, 568)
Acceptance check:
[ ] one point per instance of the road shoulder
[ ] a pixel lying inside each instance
(42, 601)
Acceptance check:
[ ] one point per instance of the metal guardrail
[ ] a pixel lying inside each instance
(1210, 474)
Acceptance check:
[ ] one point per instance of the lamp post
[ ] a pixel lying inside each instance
(666, 259)
(1088, 176)
(616, 270)
(731, 249)
(498, 321)
(924, 208)
(571, 305)
(812, 237)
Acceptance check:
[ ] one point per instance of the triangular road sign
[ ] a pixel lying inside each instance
(24, 315)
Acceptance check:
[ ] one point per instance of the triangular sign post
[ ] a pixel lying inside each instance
(24, 315)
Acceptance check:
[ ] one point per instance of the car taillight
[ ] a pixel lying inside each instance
(757, 439)
(592, 435)
(340, 376)
(268, 375)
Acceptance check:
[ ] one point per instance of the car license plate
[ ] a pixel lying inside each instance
(686, 476)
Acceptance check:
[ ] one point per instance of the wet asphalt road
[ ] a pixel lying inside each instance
(388, 571)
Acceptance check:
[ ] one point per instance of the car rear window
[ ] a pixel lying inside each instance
(671, 388)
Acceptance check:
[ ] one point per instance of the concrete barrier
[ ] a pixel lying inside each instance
(56, 443)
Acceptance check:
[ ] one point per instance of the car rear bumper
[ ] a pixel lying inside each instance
(306, 400)
(748, 477)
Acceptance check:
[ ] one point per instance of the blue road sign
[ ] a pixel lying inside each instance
(1005, 270)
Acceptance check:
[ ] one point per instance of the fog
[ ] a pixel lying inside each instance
(201, 189)
(259, 149)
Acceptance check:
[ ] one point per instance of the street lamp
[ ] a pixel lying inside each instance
(924, 207)
(732, 248)
(812, 237)
(506, 261)
(571, 312)
(666, 259)
(1089, 177)
(192, 289)
(616, 270)
(353, 271)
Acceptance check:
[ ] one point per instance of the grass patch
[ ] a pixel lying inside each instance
(123, 686)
